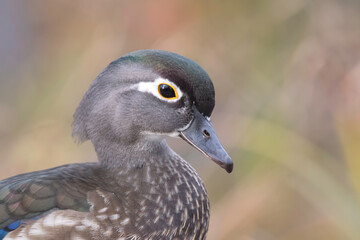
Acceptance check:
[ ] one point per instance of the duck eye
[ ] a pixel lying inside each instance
(167, 91)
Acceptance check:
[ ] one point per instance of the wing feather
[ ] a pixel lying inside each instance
(32, 194)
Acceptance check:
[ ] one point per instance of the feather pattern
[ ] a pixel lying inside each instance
(178, 208)
(29, 195)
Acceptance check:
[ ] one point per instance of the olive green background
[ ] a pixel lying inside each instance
(287, 80)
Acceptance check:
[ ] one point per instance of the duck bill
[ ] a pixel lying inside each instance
(202, 136)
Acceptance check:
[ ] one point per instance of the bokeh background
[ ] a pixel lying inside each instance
(287, 79)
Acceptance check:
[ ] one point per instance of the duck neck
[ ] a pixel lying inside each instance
(143, 151)
(163, 186)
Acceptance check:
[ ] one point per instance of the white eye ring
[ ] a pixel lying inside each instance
(153, 88)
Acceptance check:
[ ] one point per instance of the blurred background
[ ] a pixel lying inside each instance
(287, 80)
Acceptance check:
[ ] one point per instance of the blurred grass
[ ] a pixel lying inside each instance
(286, 75)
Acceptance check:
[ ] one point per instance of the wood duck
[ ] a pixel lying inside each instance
(139, 188)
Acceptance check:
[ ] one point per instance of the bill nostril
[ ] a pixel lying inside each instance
(206, 133)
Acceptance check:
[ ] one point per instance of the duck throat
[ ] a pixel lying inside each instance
(113, 154)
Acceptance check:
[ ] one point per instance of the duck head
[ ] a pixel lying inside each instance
(151, 93)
